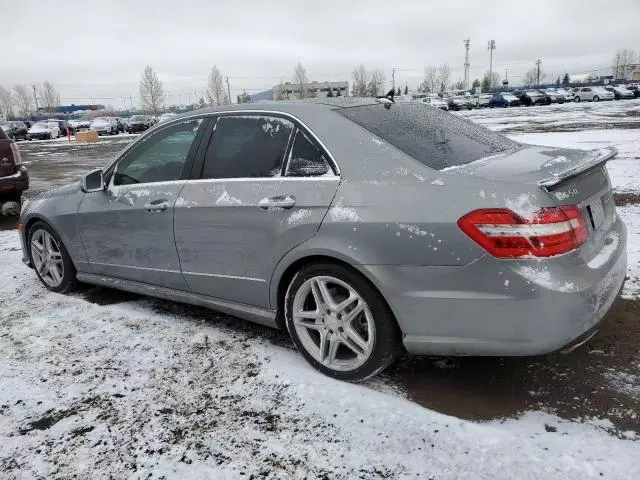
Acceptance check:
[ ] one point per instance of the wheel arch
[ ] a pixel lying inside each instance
(288, 267)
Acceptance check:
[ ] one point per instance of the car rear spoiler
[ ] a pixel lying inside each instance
(592, 159)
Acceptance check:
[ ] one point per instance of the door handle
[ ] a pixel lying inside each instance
(281, 201)
(157, 205)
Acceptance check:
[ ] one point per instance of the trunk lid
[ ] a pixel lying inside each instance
(569, 177)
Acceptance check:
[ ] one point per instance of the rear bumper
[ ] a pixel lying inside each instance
(492, 307)
(16, 183)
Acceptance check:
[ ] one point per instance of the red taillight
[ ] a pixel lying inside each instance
(504, 234)
(17, 160)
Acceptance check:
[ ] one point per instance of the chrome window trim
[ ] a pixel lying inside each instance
(287, 115)
(331, 178)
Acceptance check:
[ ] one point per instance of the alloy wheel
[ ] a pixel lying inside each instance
(47, 258)
(334, 323)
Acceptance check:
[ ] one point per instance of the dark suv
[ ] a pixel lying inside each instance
(15, 130)
(14, 178)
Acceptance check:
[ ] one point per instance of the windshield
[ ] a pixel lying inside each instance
(137, 118)
(509, 97)
(432, 137)
(532, 93)
(42, 125)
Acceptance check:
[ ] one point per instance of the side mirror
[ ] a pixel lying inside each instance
(92, 181)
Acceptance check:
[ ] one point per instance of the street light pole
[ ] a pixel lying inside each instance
(491, 46)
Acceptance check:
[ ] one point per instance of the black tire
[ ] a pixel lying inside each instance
(596, 98)
(387, 341)
(576, 99)
(69, 281)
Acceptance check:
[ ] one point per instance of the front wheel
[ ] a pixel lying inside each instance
(340, 323)
(596, 98)
(50, 259)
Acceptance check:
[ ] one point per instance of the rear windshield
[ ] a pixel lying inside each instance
(435, 138)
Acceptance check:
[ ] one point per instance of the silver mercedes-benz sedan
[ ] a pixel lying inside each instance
(364, 229)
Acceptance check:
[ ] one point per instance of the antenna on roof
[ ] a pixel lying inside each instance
(387, 99)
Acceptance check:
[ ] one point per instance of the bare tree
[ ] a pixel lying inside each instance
(300, 81)
(281, 92)
(7, 102)
(621, 61)
(531, 79)
(50, 97)
(430, 84)
(360, 81)
(23, 99)
(444, 76)
(215, 92)
(376, 83)
(151, 91)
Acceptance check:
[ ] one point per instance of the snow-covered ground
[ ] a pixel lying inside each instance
(142, 388)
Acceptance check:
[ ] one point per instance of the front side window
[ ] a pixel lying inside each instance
(247, 146)
(306, 159)
(160, 157)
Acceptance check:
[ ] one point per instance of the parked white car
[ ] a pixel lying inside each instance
(44, 130)
(568, 94)
(482, 100)
(105, 126)
(436, 102)
(592, 94)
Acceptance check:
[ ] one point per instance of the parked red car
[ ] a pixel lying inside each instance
(14, 178)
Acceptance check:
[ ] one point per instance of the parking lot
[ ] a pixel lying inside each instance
(221, 386)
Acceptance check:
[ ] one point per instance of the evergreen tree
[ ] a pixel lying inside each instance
(398, 92)
(566, 80)
(406, 89)
(558, 82)
(476, 83)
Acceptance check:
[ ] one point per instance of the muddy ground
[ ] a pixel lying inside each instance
(601, 379)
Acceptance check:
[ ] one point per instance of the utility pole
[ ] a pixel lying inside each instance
(538, 62)
(228, 89)
(467, 44)
(35, 97)
(393, 79)
(615, 74)
(491, 46)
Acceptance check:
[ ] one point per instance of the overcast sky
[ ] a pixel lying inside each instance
(95, 51)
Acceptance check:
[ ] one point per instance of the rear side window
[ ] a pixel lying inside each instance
(247, 146)
(433, 137)
(306, 159)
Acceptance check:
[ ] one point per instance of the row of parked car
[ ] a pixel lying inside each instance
(534, 97)
(55, 128)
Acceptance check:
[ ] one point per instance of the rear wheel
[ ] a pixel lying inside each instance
(50, 259)
(596, 98)
(340, 323)
(576, 99)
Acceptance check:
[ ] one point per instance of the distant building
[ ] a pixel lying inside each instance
(321, 89)
(633, 72)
